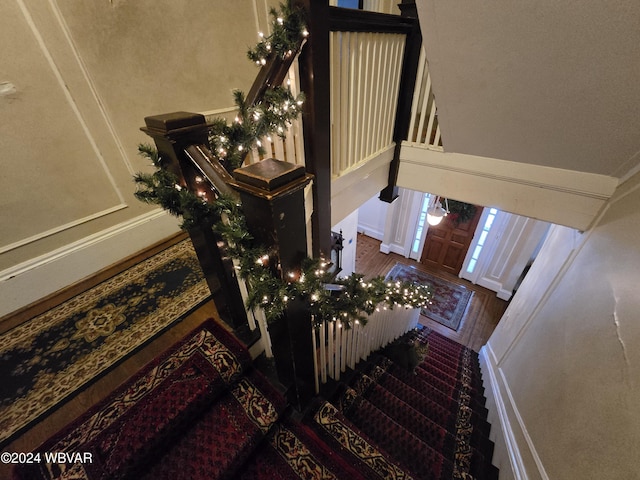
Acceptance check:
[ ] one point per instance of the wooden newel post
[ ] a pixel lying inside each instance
(272, 194)
(173, 133)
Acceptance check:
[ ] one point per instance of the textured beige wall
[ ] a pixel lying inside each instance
(86, 74)
(566, 357)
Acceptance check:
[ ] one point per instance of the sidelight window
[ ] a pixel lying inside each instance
(483, 237)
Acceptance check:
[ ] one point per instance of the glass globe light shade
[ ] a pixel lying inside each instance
(435, 214)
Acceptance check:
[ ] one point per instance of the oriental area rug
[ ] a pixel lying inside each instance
(52, 356)
(449, 300)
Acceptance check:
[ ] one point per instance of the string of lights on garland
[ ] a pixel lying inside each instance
(273, 114)
(287, 28)
(349, 299)
(277, 108)
(163, 188)
(230, 143)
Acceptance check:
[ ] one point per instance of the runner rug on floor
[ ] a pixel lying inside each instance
(53, 355)
(449, 300)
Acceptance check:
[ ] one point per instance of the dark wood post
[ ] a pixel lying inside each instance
(173, 133)
(314, 82)
(405, 97)
(272, 195)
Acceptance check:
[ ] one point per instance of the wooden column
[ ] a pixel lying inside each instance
(272, 195)
(173, 133)
(314, 82)
(405, 97)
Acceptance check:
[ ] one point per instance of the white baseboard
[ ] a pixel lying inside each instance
(504, 294)
(392, 248)
(495, 286)
(370, 232)
(514, 454)
(38, 277)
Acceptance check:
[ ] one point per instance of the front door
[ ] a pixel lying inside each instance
(446, 244)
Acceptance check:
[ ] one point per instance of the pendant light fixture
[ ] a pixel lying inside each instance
(435, 213)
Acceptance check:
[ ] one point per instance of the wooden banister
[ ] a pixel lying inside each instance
(352, 20)
(410, 64)
(271, 74)
(210, 167)
(183, 138)
(174, 134)
(315, 83)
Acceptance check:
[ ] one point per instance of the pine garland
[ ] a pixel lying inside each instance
(271, 115)
(349, 299)
(162, 188)
(288, 29)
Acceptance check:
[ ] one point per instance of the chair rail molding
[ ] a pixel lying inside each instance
(31, 280)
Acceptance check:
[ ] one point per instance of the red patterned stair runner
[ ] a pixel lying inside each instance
(200, 411)
(222, 439)
(440, 402)
(124, 433)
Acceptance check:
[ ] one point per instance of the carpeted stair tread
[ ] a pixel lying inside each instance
(381, 374)
(293, 451)
(453, 361)
(422, 426)
(202, 411)
(123, 431)
(224, 437)
(414, 421)
(355, 447)
(448, 341)
(416, 394)
(149, 427)
(422, 403)
(458, 373)
(455, 368)
(444, 382)
(448, 347)
(444, 344)
(409, 450)
(447, 384)
(406, 443)
(452, 366)
(448, 370)
(421, 384)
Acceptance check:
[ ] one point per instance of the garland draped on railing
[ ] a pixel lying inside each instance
(349, 299)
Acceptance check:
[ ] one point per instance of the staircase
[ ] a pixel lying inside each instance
(431, 419)
(203, 411)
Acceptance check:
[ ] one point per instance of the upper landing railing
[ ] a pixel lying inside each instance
(373, 93)
(365, 81)
(380, 86)
(424, 129)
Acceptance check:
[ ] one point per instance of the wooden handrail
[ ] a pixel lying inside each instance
(352, 20)
(213, 171)
(271, 74)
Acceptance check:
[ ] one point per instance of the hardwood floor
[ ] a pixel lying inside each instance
(483, 313)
